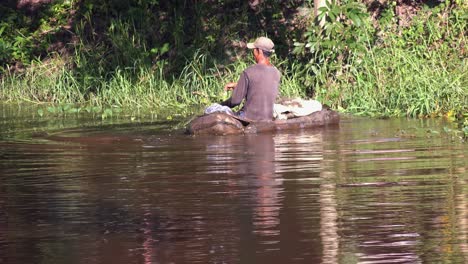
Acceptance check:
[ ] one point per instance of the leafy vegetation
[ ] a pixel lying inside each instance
(328, 47)
(151, 56)
(381, 69)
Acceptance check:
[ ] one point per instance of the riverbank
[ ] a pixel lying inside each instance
(386, 82)
(382, 69)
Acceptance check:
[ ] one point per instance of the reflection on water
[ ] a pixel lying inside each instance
(357, 193)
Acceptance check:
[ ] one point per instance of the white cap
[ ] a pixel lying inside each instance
(262, 43)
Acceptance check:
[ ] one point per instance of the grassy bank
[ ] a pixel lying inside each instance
(412, 88)
(391, 82)
(399, 82)
(135, 90)
(385, 82)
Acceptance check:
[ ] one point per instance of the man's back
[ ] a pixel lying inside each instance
(259, 85)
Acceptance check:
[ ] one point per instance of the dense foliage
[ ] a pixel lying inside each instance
(116, 33)
(384, 58)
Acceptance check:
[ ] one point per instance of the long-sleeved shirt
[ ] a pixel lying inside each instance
(258, 85)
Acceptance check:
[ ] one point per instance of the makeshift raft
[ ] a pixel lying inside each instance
(225, 124)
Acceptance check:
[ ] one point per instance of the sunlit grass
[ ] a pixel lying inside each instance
(135, 89)
(385, 82)
(396, 82)
(399, 80)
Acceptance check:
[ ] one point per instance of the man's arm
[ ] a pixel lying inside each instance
(230, 86)
(239, 92)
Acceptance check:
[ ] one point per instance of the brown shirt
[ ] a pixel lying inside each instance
(258, 85)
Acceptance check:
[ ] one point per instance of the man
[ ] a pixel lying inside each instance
(258, 84)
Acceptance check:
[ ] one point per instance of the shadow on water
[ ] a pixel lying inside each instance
(362, 192)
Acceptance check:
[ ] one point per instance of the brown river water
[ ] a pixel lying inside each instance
(78, 190)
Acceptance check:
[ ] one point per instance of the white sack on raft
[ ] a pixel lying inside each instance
(295, 108)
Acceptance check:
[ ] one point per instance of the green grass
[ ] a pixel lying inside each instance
(386, 82)
(135, 90)
(419, 71)
(398, 82)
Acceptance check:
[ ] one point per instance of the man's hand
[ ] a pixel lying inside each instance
(230, 86)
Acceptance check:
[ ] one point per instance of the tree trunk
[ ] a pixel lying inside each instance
(318, 4)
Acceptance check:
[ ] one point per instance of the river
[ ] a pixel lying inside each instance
(77, 189)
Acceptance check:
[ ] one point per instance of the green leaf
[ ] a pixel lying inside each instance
(51, 109)
(2, 29)
(117, 110)
(323, 10)
(66, 108)
(465, 130)
(298, 44)
(356, 20)
(321, 15)
(165, 48)
(335, 10)
(73, 110)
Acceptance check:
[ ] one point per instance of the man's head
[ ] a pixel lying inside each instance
(264, 44)
(262, 49)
